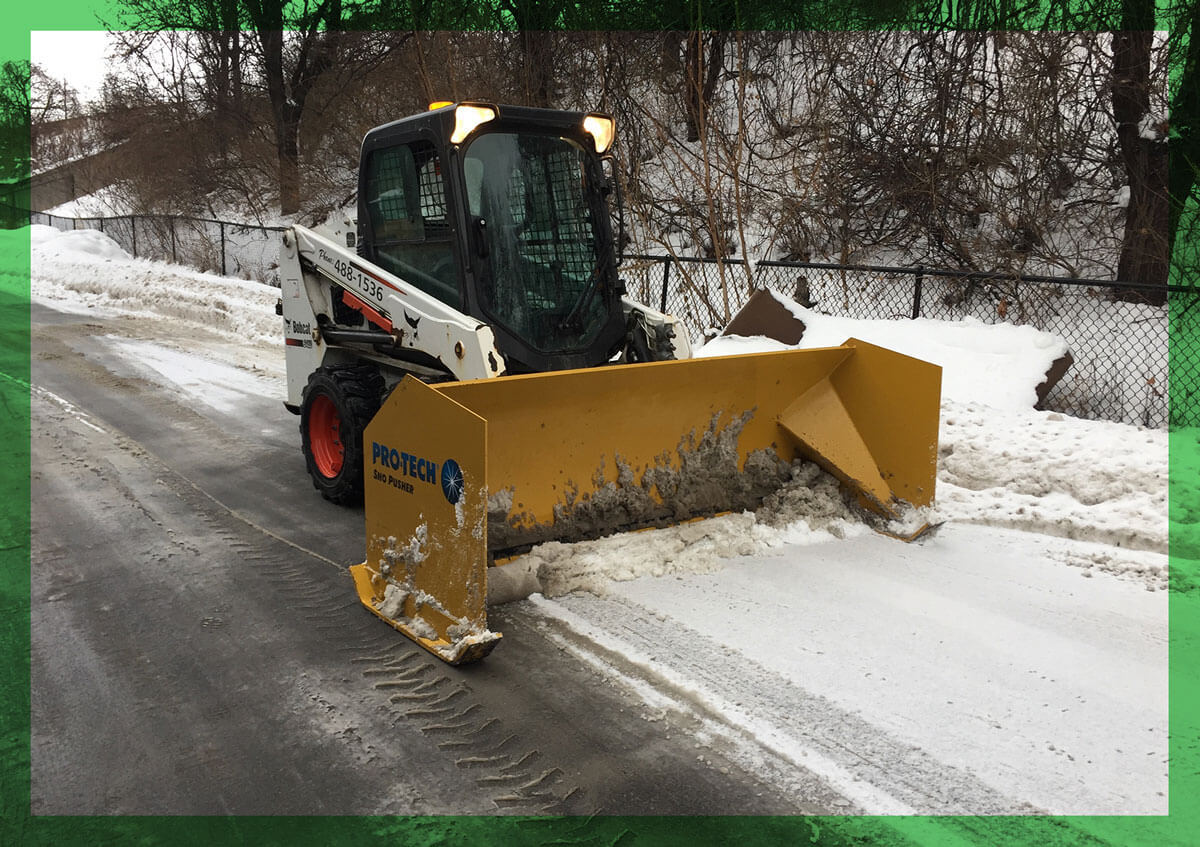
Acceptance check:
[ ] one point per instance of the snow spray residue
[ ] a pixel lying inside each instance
(703, 479)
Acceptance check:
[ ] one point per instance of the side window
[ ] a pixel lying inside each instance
(391, 195)
(406, 203)
(431, 193)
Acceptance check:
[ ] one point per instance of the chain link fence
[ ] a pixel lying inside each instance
(1120, 348)
(246, 251)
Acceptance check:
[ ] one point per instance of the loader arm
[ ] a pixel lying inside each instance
(401, 318)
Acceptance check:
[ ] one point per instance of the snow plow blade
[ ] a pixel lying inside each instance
(460, 472)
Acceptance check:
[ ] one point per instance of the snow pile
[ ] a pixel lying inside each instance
(51, 243)
(689, 548)
(1048, 473)
(810, 509)
(87, 268)
(998, 365)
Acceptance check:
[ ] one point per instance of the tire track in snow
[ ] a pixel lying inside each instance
(418, 689)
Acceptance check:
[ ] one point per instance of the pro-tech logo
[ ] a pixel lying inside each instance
(411, 466)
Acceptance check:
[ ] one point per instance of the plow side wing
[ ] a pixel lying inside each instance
(425, 495)
(580, 454)
(874, 425)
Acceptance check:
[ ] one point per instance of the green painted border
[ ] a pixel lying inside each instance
(17, 826)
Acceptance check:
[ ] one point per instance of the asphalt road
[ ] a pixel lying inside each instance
(197, 646)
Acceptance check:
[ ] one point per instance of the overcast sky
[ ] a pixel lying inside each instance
(77, 57)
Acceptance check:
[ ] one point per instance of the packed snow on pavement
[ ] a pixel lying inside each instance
(1020, 650)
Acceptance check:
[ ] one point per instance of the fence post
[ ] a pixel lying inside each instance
(133, 229)
(223, 273)
(916, 312)
(666, 278)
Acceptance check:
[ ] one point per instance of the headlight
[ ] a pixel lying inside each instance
(467, 118)
(601, 128)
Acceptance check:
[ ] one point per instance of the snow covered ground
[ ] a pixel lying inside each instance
(961, 653)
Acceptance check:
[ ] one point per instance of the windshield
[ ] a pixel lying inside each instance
(529, 196)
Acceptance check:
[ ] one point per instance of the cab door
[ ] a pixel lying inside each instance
(409, 227)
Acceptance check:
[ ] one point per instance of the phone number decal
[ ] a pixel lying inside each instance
(350, 274)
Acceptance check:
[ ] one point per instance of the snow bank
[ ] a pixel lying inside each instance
(1048, 473)
(52, 243)
(87, 268)
(998, 365)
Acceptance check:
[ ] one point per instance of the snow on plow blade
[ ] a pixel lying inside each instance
(458, 472)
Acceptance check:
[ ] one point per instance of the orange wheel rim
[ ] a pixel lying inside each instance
(324, 436)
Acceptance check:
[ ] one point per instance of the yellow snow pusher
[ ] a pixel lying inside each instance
(465, 356)
(458, 472)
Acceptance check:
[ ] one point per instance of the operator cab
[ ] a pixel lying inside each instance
(501, 212)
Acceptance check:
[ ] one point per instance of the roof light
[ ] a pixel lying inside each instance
(602, 130)
(467, 118)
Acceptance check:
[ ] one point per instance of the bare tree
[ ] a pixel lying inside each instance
(964, 148)
(1141, 134)
(292, 50)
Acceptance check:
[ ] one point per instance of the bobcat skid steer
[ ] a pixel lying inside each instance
(464, 359)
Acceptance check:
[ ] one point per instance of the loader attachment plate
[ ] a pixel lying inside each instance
(570, 455)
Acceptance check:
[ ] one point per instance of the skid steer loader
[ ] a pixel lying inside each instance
(465, 358)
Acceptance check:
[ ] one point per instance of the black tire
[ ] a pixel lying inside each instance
(337, 404)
